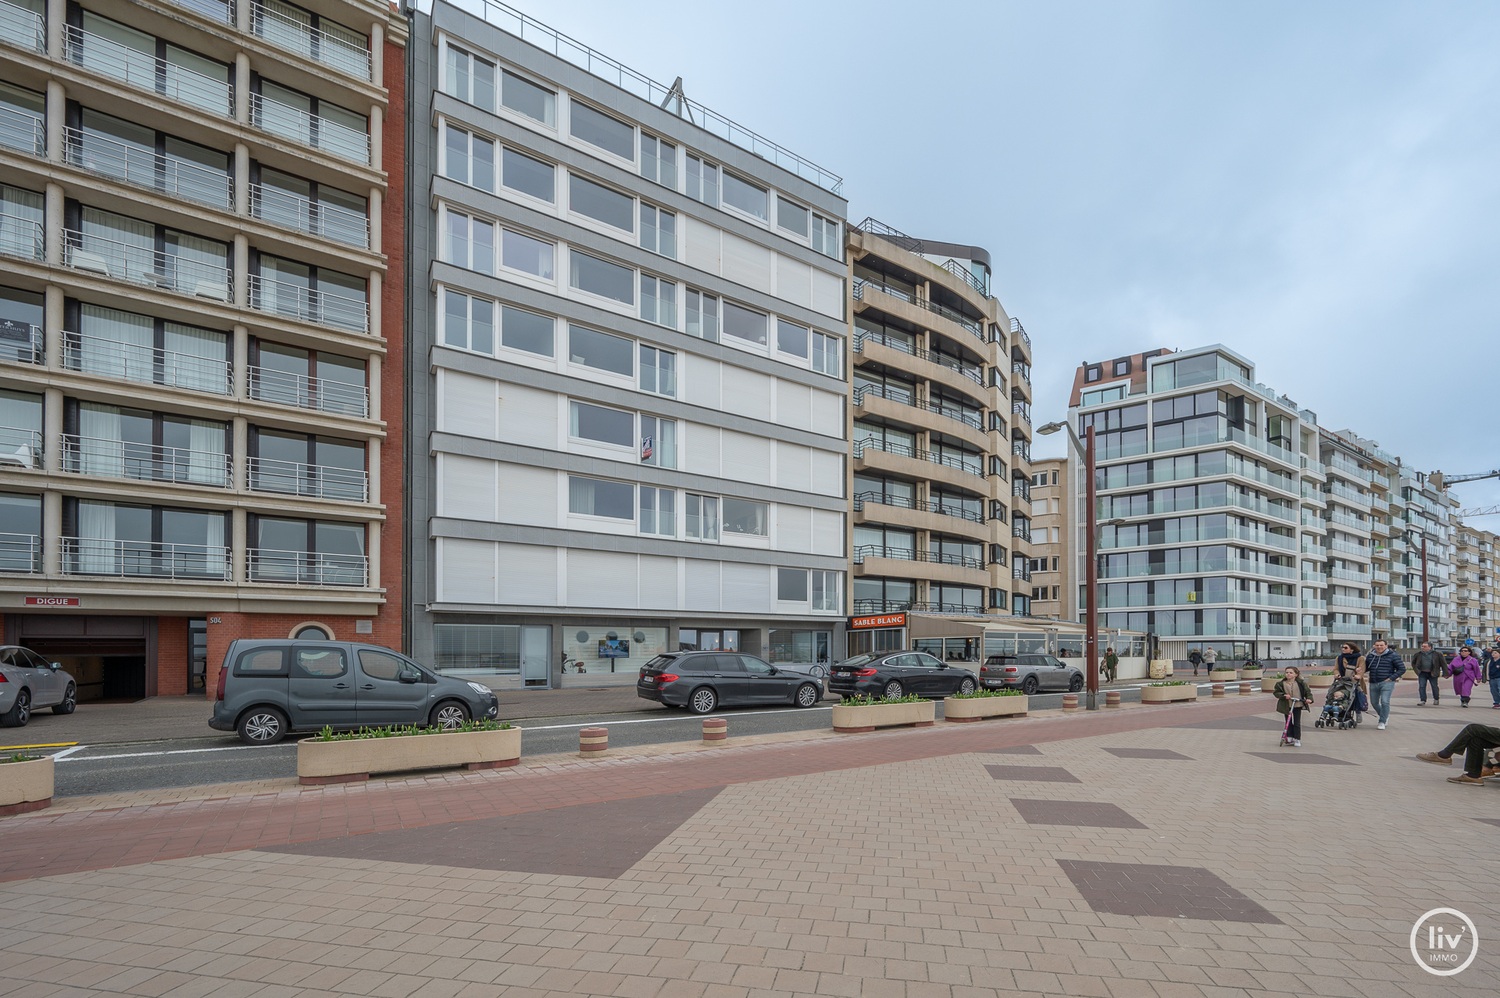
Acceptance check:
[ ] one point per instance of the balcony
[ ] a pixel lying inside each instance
(144, 559)
(21, 343)
(1021, 530)
(947, 409)
(145, 72)
(1346, 575)
(305, 304)
(956, 317)
(20, 447)
(1320, 605)
(21, 237)
(1019, 330)
(299, 214)
(306, 568)
(317, 481)
(22, 27)
(23, 131)
(1020, 449)
(109, 157)
(1022, 410)
(348, 52)
(922, 505)
(20, 554)
(106, 458)
(1311, 631)
(283, 388)
(1314, 578)
(215, 10)
(1020, 488)
(973, 467)
(306, 128)
(145, 364)
(1021, 370)
(864, 551)
(134, 264)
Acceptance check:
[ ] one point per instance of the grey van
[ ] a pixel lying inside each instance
(268, 688)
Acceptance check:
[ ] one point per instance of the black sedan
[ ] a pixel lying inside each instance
(898, 674)
(703, 680)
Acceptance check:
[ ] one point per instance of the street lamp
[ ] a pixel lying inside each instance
(1426, 589)
(1091, 556)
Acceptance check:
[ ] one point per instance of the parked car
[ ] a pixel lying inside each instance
(897, 674)
(268, 688)
(29, 682)
(1030, 673)
(704, 680)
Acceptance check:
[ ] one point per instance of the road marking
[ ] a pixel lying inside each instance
(67, 752)
(659, 720)
(145, 755)
(8, 748)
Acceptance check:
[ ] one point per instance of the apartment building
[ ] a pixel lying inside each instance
(629, 399)
(201, 230)
(1053, 540)
(1476, 586)
(942, 431)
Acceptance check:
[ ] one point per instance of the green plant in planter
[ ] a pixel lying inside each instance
(866, 701)
(1171, 682)
(402, 730)
(1322, 672)
(19, 757)
(985, 693)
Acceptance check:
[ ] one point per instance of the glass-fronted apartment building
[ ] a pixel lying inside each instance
(198, 215)
(629, 420)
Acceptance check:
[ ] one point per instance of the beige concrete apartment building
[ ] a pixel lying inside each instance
(1052, 541)
(1477, 595)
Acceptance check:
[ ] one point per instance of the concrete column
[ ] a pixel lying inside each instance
(51, 532)
(372, 462)
(239, 368)
(52, 429)
(242, 78)
(372, 376)
(57, 18)
(373, 292)
(377, 203)
(242, 16)
(57, 116)
(239, 447)
(372, 539)
(241, 289)
(377, 52)
(238, 534)
(52, 229)
(241, 179)
(377, 137)
(52, 326)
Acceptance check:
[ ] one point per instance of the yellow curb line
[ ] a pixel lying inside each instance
(7, 748)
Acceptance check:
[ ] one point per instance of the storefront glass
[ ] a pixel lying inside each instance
(620, 648)
(790, 647)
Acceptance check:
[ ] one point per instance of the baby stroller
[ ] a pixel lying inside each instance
(1339, 706)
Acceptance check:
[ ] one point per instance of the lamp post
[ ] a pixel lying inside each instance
(1426, 589)
(1091, 558)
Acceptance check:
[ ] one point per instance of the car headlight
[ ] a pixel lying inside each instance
(481, 689)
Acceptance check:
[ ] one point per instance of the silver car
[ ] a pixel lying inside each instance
(28, 682)
(1030, 673)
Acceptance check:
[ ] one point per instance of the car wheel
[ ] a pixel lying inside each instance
(20, 711)
(69, 701)
(807, 695)
(262, 726)
(893, 690)
(703, 700)
(1029, 686)
(1076, 683)
(966, 687)
(448, 715)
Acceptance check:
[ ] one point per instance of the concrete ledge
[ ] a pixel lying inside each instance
(26, 783)
(351, 757)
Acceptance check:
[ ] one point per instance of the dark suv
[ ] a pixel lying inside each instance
(703, 680)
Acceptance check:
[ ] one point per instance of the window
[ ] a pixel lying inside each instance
(312, 632)
(383, 665)
(658, 371)
(601, 203)
(600, 424)
(825, 237)
(658, 161)
(658, 231)
(825, 591)
(522, 330)
(658, 441)
(470, 78)
(528, 255)
(1122, 367)
(658, 511)
(469, 159)
(791, 584)
(599, 129)
(598, 497)
(145, 541)
(469, 242)
(702, 315)
(827, 355)
(791, 338)
(702, 181)
(702, 517)
(1092, 374)
(744, 324)
(746, 196)
(137, 347)
(602, 278)
(658, 301)
(791, 216)
(744, 516)
(521, 173)
(524, 97)
(468, 322)
(602, 351)
(310, 294)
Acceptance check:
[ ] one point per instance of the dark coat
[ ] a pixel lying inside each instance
(1381, 667)
(1283, 704)
(1430, 661)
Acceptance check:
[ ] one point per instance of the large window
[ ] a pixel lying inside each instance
(102, 538)
(744, 324)
(658, 231)
(658, 511)
(305, 465)
(144, 349)
(524, 97)
(600, 277)
(599, 129)
(468, 159)
(599, 497)
(746, 517)
(309, 206)
(602, 351)
(469, 242)
(307, 552)
(702, 180)
(658, 160)
(745, 196)
(20, 533)
(828, 355)
(146, 158)
(702, 315)
(528, 255)
(470, 78)
(825, 237)
(289, 375)
(702, 517)
(599, 424)
(658, 301)
(659, 441)
(791, 585)
(115, 442)
(601, 203)
(791, 338)
(791, 216)
(658, 371)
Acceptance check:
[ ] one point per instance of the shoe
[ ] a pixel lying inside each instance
(1421, 703)
(1488, 771)
(1297, 742)
(1434, 758)
(1380, 726)
(1467, 780)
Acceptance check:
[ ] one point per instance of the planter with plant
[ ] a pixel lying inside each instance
(1169, 692)
(25, 782)
(1220, 674)
(981, 704)
(1252, 673)
(349, 756)
(860, 714)
(1321, 679)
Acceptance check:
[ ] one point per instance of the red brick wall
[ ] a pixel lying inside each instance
(171, 656)
(389, 628)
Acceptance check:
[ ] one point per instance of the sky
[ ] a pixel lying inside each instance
(1315, 185)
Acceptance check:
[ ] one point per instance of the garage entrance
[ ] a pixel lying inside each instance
(111, 658)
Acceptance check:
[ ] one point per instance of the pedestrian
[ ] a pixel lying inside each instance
(1111, 664)
(1350, 664)
(1292, 695)
(1465, 669)
(1492, 666)
(1210, 656)
(1473, 741)
(1429, 667)
(1383, 667)
(1196, 658)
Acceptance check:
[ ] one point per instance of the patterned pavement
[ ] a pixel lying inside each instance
(1147, 851)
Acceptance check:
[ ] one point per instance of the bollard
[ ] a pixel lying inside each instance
(1218, 689)
(1247, 689)
(1070, 702)
(593, 742)
(1111, 698)
(715, 729)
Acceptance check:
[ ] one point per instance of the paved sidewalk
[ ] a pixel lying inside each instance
(1148, 851)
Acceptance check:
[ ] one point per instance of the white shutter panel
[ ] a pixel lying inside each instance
(748, 588)
(746, 458)
(828, 532)
(746, 263)
(701, 241)
(828, 414)
(749, 392)
(602, 578)
(528, 416)
(702, 449)
(794, 405)
(467, 572)
(700, 380)
(702, 585)
(827, 473)
(528, 495)
(528, 575)
(828, 294)
(466, 487)
(794, 280)
(658, 583)
(793, 528)
(466, 404)
(793, 467)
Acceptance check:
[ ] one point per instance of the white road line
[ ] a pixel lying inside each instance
(660, 720)
(59, 756)
(145, 755)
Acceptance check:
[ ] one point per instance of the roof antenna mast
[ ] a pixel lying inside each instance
(677, 101)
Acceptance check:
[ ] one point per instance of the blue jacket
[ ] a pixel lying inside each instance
(1380, 667)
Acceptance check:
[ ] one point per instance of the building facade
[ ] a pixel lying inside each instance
(1053, 540)
(1477, 590)
(629, 419)
(201, 232)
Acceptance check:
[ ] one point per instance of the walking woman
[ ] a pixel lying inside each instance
(1466, 669)
(1292, 695)
(1351, 664)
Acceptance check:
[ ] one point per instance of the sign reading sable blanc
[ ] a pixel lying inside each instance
(54, 601)
(877, 620)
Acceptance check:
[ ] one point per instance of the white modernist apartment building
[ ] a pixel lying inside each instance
(629, 427)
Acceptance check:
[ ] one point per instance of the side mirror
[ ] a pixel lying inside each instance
(54, 666)
(408, 676)
(773, 671)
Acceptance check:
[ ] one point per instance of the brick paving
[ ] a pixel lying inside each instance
(883, 864)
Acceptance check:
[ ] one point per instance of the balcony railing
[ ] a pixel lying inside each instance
(947, 409)
(215, 10)
(309, 129)
(1019, 330)
(974, 467)
(924, 505)
(145, 364)
(1023, 410)
(22, 27)
(21, 237)
(314, 305)
(109, 157)
(1022, 371)
(20, 553)
(106, 458)
(1021, 530)
(891, 393)
(21, 343)
(1020, 449)
(24, 131)
(863, 606)
(973, 373)
(966, 275)
(864, 551)
(317, 218)
(346, 54)
(306, 568)
(1021, 489)
(282, 388)
(316, 480)
(146, 72)
(20, 447)
(144, 559)
(122, 261)
(952, 315)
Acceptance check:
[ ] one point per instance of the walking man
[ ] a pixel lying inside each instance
(1473, 741)
(1429, 667)
(1383, 666)
(1111, 664)
(1196, 658)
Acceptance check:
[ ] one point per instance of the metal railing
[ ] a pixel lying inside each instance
(1021, 488)
(122, 261)
(1021, 530)
(317, 218)
(145, 71)
(891, 393)
(25, 131)
(1021, 570)
(106, 458)
(21, 343)
(973, 420)
(20, 553)
(863, 606)
(966, 275)
(975, 468)
(922, 505)
(1019, 330)
(215, 10)
(306, 568)
(21, 237)
(20, 447)
(144, 559)
(1021, 370)
(1020, 449)
(109, 157)
(22, 27)
(317, 480)
(296, 301)
(343, 54)
(890, 234)
(145, 364)
(958, 318)
(864, 551)
(309, 129)
(974, 374)
(303, 392)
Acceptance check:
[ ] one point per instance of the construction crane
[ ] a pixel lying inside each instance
(1480, 511)
(1440, 481)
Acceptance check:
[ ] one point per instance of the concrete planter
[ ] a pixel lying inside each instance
(1168, 694)
(25, 786)
(1320, 682)
(1268, 683)
(1222, 676)
(355, 759)
(1252, 674)
(979, 708)
(852, 720)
